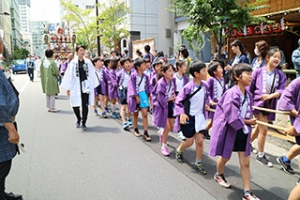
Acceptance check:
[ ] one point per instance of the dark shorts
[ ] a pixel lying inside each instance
(266, 105)
(171, 109)
(98, 90)
(189, 130)
(240, 141)
(123, 96)
(297, 140)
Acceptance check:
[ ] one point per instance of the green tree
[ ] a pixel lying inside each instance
(216, 15)
(113, 23)
(83, 21)
(20, 53)
(112, 18)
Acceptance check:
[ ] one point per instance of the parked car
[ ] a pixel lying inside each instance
(19, 66)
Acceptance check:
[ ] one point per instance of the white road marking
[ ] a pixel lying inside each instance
(24, 86)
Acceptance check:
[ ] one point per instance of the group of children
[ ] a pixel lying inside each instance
(184, 105)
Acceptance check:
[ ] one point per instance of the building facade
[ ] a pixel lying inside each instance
(5, 28)
(38, 44)
(15, 23)
(150, 19)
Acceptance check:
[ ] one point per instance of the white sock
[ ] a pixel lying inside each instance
(261, 154)
(164, 145)
(113, 107)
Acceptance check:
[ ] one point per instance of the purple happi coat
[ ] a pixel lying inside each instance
(259, 85)
(160, 102)
(132, 91)
(103, 83)
(182, 95)
(112, 84)
(290, 100)
(228, 120)
(153, 81)
(212, 84)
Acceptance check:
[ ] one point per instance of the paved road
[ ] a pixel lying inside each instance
(105, 162)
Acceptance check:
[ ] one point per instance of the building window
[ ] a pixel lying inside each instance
(89, 7)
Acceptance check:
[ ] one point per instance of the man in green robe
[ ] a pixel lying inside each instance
(49, 79)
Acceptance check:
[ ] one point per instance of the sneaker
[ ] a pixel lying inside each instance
(83, 127)
(96, 113)
(199, 168)
(54, 110)
(106, 110)
(125, 126)
(160, 132)
(104, 115)
(206, 134)
(250, 196)
(264, 161)
(114, 115)
(181, 136)
(286, 166)
(253, 150)
(77, 124)
(136, 132)
(147, 136)
(222, 180)
(165, 151)
(298, 181)
(129, 122)
(179, 156)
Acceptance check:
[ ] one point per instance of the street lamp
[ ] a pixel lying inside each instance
(4, 13)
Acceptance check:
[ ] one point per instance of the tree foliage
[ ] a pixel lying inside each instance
(20, 53)
(216, 15)
(113, 26)
(111, 23)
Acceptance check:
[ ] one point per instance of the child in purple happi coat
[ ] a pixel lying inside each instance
(100, 91)
(267, 85)
(231, 130)
(123, 79)
(163, 97)
(190, 107)
(105, 71)
(113, 85)
(216, 86)
(138, 96)
(156, 65)
(290, 101)
(181, 80)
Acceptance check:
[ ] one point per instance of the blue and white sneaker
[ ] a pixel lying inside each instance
(96, 113)
(129, 122)
(125, 126)
(114, 115)
(104, 115)
(106, 110)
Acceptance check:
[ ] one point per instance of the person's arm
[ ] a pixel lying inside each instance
(13, 136)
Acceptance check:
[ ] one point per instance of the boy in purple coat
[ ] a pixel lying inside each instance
(267, 85)
(123, 78)
(105, 71)
(216, 86)
(138, 96)
(190, 106)
(290, 101)
(163, 97)
(232, 127)
(100, 90)
(113, 85)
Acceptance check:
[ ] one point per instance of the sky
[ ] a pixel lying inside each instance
(45, 10)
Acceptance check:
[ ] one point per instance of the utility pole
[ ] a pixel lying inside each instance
(98, 34)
